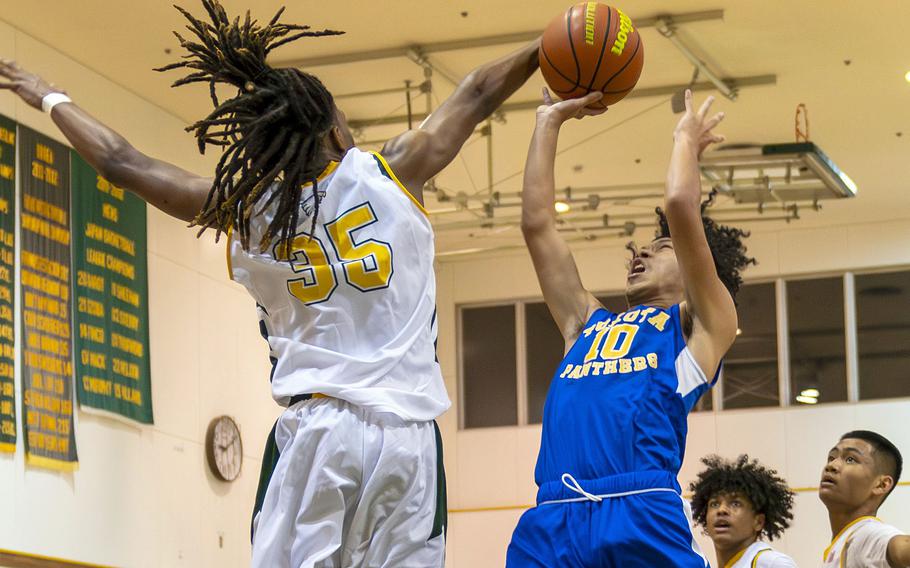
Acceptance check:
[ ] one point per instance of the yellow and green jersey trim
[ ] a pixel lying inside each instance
(387, 172)
(843, 530)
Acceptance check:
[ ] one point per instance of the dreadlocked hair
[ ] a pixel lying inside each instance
(270, 132)
(725, 242)
(767, 491)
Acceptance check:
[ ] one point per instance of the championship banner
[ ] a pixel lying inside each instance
(45, 281)
(110, 264)
(7, 284)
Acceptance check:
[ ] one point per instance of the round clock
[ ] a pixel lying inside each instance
(223, 448)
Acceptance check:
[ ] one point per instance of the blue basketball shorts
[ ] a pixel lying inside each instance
(635, 520)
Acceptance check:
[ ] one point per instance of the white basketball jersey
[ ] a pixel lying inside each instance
(761, 555)
(861, 544)
(350, 312)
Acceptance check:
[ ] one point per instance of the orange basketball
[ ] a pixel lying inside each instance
(592, 47)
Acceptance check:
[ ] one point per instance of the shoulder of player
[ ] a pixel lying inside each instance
(871, 528)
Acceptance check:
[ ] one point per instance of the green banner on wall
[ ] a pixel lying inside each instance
(111, 276)
(7, 284)
(46, 302)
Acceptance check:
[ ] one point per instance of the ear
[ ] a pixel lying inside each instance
(758, 524)
(883, 485)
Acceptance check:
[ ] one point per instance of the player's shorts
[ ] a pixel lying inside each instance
(636, 520)
(344, 486)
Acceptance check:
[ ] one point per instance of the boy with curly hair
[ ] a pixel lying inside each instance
(737, 503)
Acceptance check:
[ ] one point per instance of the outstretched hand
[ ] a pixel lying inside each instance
(562, 111)
(30, 87)
(695, 127)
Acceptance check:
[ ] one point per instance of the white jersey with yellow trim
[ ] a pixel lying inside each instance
(861, 544)
(761, 555)
(350, 312)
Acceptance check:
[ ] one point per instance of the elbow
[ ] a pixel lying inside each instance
(535, 224)
(680, 203)
(119, 157)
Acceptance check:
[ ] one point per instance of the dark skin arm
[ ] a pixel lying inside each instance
(418, 155)
(899, 552)
(175, 191)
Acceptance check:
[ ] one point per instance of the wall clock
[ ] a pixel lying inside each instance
(223, 448)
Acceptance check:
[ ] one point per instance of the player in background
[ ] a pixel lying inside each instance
(336, 248)
(862, 470)
(737, 502)
(614, 425)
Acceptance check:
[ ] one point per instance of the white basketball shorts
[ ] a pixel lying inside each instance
(344, 486)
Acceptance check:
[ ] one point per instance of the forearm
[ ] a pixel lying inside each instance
(683, 190)
(106, 150)
(539, 187)
(171, 189)
(491, 84)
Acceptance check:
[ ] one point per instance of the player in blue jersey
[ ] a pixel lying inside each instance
(614, 426)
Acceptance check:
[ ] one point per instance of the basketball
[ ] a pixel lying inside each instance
(591, 47)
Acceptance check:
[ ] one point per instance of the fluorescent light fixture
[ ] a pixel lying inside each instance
(806, 400)
(561, 207)
(777, 173)
(812, 393)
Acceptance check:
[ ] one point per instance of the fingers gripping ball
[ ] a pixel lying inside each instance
(591, 47)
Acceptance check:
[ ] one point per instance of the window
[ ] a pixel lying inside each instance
(544, 351)
(815, 310)
(509, 353)
(489, 370)
(750, 367)
(883, 334)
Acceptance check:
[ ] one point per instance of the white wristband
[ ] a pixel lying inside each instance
(51, 100)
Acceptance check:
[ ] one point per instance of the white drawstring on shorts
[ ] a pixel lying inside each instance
(574, 486)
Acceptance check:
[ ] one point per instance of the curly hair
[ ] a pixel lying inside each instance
(271, 131)
(767, 491)
(725, 242)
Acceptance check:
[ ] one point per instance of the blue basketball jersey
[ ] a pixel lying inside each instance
(619, 400)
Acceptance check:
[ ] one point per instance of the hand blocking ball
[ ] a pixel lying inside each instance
(591, 47)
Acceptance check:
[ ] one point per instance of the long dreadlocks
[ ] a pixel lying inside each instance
(725, 242)
(271, 130)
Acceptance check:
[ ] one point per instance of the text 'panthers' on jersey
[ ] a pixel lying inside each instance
(619, 400)
(350, 311)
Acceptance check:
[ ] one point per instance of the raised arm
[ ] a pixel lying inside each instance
(418, 155)
(708, 302)
(567, 299)
(175, 191)
(899, 552)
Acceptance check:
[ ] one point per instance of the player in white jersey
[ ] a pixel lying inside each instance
(862, 470)
(335, 246)
(739, 502)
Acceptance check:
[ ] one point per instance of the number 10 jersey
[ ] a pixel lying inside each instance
(349, 311)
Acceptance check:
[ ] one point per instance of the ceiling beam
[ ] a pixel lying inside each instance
(666, 90)
(471, 43)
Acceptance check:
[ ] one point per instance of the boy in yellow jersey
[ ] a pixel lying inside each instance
(862, 470)
(738, 502)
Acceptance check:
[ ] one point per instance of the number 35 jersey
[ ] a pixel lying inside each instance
(350, 311)
(619, 400)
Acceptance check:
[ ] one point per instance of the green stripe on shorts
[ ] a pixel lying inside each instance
(269, 461)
